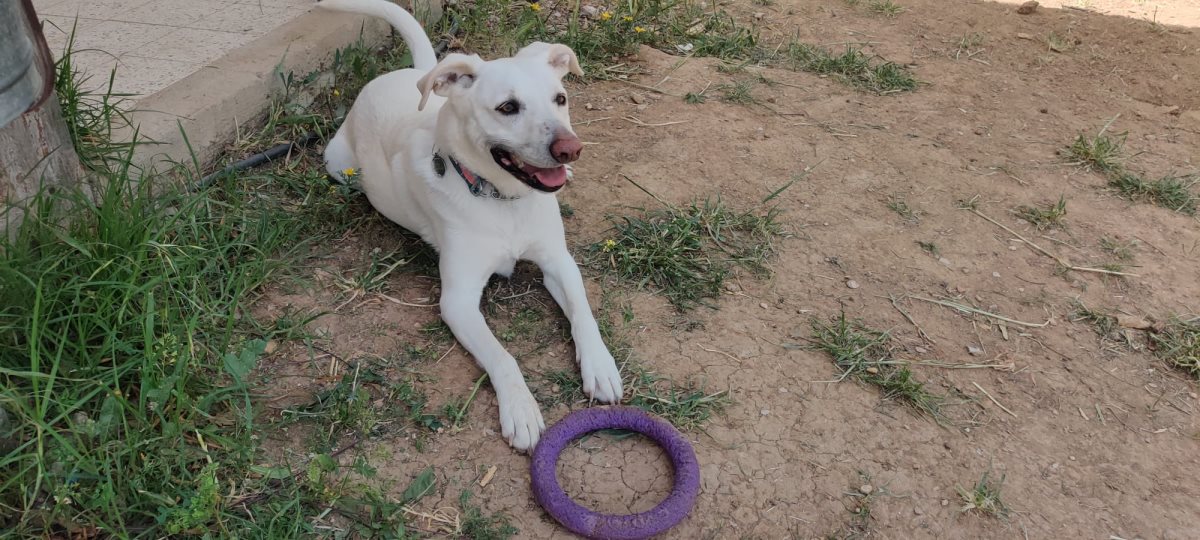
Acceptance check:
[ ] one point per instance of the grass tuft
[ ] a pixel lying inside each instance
(686, 253)
(479, 526)
(852, 67)
(1103, 153)
(1178, 344)
(1121, 250)
(1050, 217)
(900, 206)
(887, 8)
(863, 354)
(738, 92)
(984, 497)
(1171, 192)
(1104, 323)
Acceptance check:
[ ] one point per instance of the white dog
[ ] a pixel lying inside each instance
(468, 154)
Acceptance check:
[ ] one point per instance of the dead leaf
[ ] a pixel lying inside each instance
(487, 476)
(1136, 323)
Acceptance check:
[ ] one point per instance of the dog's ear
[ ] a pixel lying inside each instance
(455, 70)
(559, 56)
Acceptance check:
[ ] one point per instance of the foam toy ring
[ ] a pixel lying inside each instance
(591, 524)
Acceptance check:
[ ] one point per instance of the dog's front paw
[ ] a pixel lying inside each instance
(601, 378)
(521, 419)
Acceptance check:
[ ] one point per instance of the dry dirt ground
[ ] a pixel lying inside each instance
(1099, 440)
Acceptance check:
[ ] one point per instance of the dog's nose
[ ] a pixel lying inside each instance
(566, 149)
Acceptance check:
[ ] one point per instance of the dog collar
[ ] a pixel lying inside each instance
(477, 185)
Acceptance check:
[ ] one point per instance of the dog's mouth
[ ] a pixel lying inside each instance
(544, 179)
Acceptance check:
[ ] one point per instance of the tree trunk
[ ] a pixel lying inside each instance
(35, 148)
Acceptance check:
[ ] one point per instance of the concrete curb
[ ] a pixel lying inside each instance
(212, 103)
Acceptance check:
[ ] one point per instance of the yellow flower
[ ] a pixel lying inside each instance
(627, 18)
(535, 6)
(606, 15)
(639, 29)
(349, 172)
(609, 245)
(336, 92)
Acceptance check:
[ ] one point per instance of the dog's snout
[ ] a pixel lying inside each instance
(566, 149)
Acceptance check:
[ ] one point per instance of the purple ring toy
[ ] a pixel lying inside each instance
(591, 524)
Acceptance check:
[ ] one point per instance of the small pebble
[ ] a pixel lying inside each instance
(945, 262)
(995, 274)
(852, 284)
(866, 489)
(764, 305)
(765, 412)
(974, 351)
(872, 370)
(945, 502)
(921, 350)
(783, 390)
(637, 98)
(1012, 248)
(918, 511)
(1072, 458)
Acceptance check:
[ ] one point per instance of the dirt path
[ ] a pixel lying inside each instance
(1099, 439)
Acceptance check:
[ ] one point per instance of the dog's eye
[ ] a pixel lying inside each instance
(560, 99)
(509, 108)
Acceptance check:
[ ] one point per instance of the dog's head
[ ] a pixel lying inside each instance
(511, 113)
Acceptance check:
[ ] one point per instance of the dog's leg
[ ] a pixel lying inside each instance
(463, 279)
(601, 378)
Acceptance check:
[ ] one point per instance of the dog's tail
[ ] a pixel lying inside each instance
(414, 35)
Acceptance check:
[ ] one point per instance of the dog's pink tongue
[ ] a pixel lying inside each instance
(548, 177)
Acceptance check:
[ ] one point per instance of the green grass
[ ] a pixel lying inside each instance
(364, 404)
(864, 354)
(1170, 192)
(1178, 344)
(477, 525)
(500, 27)
(94, 116)
(686, 252)
(128, 354)
(1123, 251)
(887, 8)
(852, 67)
(930, 248)
(984, 497)
(738, 92)
(1104, 323)
(900, 207)
(1103, 154)
(1049, 217)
